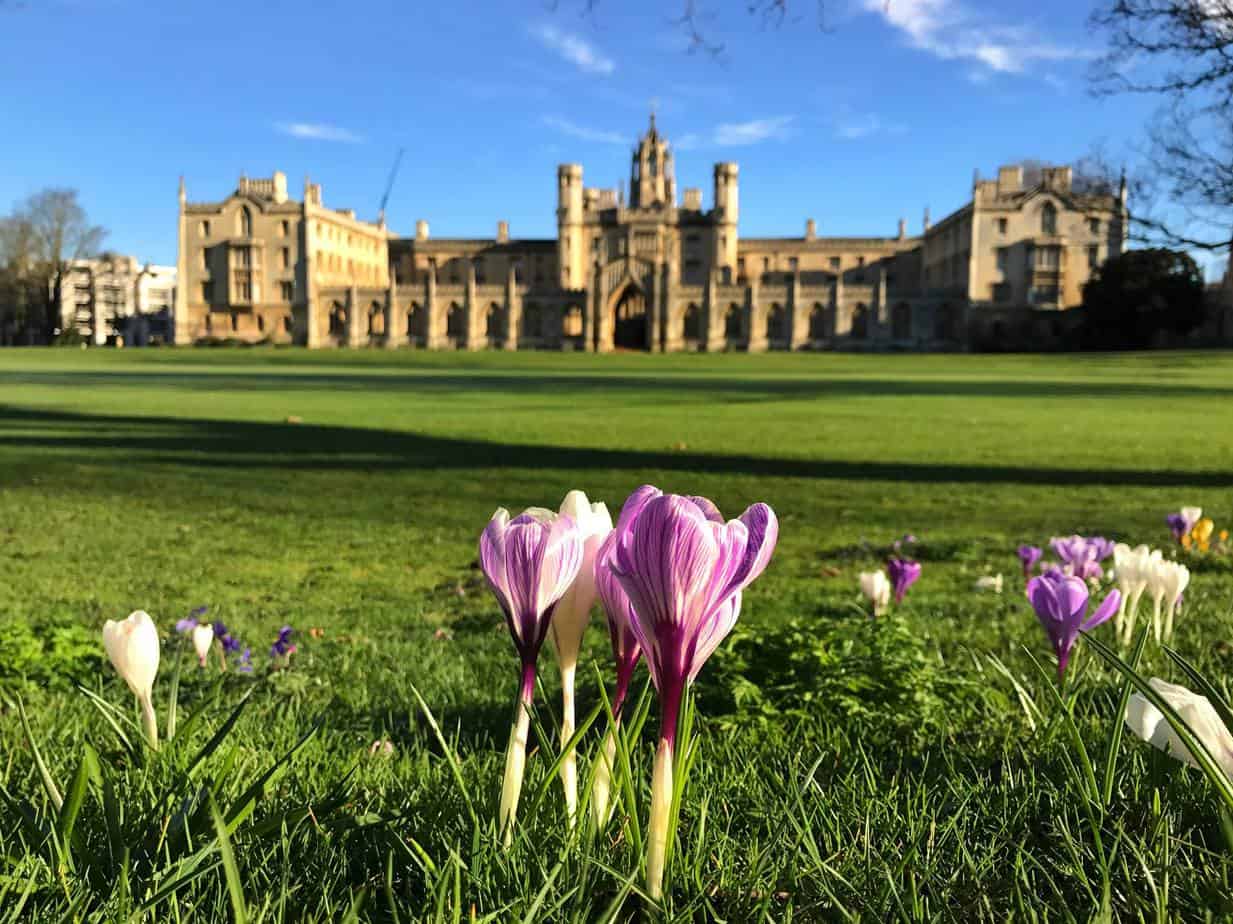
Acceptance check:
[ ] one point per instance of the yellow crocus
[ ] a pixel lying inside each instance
(1202, 531)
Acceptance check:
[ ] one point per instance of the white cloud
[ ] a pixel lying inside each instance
(947, 30)
(689, 142)
(318, 131)
(852, 126)
(574, 130)
(733, 134)
(575, 49)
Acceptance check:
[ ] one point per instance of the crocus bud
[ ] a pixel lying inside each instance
(1148, 723)
(203, 638)
(133, 647)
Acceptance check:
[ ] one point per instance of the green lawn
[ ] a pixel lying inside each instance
(848, 768)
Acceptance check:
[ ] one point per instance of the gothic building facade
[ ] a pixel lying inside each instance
(655, 272)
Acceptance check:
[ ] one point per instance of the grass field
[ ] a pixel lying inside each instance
(850, 769)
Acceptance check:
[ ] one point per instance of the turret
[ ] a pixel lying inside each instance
(570, 251)
(727, 213)
(652, 178)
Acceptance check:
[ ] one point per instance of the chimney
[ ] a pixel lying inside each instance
(421, 230)
(903, 228)
(502, 232)
(811, 229)
(280, 186)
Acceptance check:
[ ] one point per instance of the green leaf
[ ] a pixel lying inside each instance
(53, 791)
(235, 889)
(450, 756)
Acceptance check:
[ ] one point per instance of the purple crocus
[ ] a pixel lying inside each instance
(1029, 555)
(1081, 556)
(903, 574)
(245, 664)
(625, 652)
(530, 562)
(684, 569)
(229, 642)
(1060, 601)
(186, 625)
(283, 647)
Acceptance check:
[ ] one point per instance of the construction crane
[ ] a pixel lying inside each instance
(389, 186)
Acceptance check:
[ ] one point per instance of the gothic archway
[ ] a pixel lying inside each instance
(629, 320)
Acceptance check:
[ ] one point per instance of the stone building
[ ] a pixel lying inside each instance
(658, 272)
(100, 295)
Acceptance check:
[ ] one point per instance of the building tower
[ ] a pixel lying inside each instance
(180, 327)
(727, 213)
(570, 250)
(652, 178)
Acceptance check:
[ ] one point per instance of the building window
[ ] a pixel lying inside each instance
(766, 264)
(1048, 218)
(1003, 258)
(246, 222)
(1093, 225)
(793, 264)
(207, 292)
(261, 323)
(285, 257)
(287, 289)
(835, 263)
(1002, 225)
(209, 323)
(1050, 257)
(242, 256)
(1001, 292)
(235, 321)
(1093, 257)
(284, 228)
(205, 229)
(594, 245)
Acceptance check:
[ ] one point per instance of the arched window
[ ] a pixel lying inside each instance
(455, 321)
(692, 323)
(777, 325)
(860, 322)
(901, 321)
(817, 322)
(338, 320)
(246, 222)
(1048, 218)
(494, 323)
(732, 324)
(415, 320)
(532, 320)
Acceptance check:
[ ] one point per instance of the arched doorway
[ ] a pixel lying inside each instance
(733, 335)
(629, 320)
(901, 321)
(777, 327)
(338, 322)
(819, 328)
(860, 322)
(691, 325)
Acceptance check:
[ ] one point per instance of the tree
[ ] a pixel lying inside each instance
(37, 243)
(1182, 51)
(1140, 294)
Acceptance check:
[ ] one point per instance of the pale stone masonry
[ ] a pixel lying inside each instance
(658, 272)
(98, 295)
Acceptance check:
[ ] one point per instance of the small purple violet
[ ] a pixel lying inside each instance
(1060, 601)
(283, 647)
(903, 574)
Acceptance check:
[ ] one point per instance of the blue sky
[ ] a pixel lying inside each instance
(887, 110)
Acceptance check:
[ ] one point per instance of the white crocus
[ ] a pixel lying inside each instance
(989, 583)
(569, 623)
(203, 638)
(1146, 721)
(1128, 564)
(1176, 581)
(132, 645)
(1161, 580)
(1142, 566)
(877, 589)
(1192, 515)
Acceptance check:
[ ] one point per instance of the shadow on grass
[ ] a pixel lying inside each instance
(756, 386)
(219, 444)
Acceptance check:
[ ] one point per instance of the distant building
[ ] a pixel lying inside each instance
(657, 272)
(100, 296)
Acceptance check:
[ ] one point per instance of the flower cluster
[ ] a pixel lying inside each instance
(900, 574)
(1081, 556)
(670, 575)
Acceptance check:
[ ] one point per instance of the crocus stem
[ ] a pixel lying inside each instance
(1132, 614)
(516, 756)
(601, 788)
(657, 830)
(1156, 619)
(1168, 626)
(149, 719)
(569, 763)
